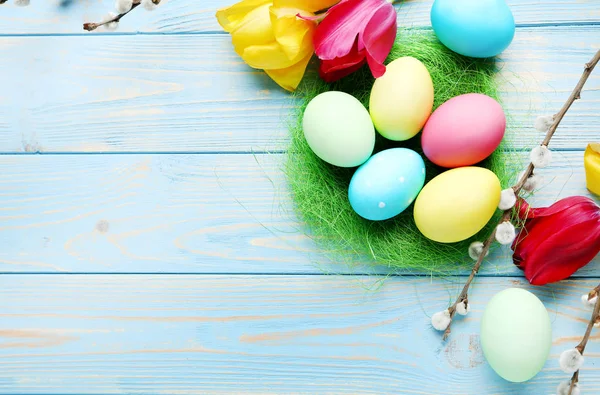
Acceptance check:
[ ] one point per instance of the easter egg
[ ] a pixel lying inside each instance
(516, 334)
(457, 204)
(463, 131)
(402, 99)
(475, 28)
(338, 129)
(386, 184)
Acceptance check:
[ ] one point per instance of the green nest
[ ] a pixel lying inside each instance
(320, 191)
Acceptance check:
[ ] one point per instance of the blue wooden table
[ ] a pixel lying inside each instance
(148, 243)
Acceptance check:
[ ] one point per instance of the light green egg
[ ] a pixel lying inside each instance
(516, 334)
(339, 130)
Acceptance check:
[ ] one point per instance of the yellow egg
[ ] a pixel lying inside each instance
(402, 99)
(457, 204)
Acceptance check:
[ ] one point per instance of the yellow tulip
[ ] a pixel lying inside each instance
(268, 35)
(591, 160)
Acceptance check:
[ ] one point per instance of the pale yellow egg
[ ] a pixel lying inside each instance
(457, 204)
(402, 99)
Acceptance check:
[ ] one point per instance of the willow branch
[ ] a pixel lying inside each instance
(464, 294)
(586, 337)
(575, 95)
(89, 26)
(583, 343)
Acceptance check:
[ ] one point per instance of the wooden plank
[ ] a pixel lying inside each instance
(264, 334)
(193, 93)
(186, 16)
(179, 213)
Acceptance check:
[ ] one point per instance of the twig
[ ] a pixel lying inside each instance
(576, 94)
(581, 346)
(89, 26)
(463, 297)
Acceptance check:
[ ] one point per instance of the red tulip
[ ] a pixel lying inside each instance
(352, 33)
(558, 240)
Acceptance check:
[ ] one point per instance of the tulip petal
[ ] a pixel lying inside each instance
(307, 5)
(378, 38)
(591, 160)
(333, 70)
(335, 36)
(231, 17)
(273, 38)
(269, 56)
(558, 240)
(254, 29)
(293, 34)
(542, 227)
(562, 205)
(289, 78)
(563, 253)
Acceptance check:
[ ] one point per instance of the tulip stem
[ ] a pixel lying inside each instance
(506, 215)
(588, 331)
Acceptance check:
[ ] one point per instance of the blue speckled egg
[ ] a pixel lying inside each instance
(386, 184)
(475, 28)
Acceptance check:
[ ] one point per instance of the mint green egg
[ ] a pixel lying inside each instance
(516, 334)
(338, 129)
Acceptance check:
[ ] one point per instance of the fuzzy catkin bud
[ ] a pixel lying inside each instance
(441, 320)
(505, 233)
(150, 5)
(541, 156)
(123, 6)
(543, 123)
(571, 360)
(532, 183)
(462, 308)
(590, 303)
(111, 25)
(21, 3)
(475, 250)
(565, 386)
(508, 199)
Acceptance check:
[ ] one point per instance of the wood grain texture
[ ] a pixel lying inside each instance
(193, 93)
(153, 89)
(263, 334)
(191, 16)
(179, 213)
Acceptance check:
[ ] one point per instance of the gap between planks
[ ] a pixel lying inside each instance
(253, 152)
(290, 274)
(219, 32)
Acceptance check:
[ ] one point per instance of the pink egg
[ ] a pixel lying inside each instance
(463, 131)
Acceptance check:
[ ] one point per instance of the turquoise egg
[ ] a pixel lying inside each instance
(475, 28)
(386, 184)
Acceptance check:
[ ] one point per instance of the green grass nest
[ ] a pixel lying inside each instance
(320, 190)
